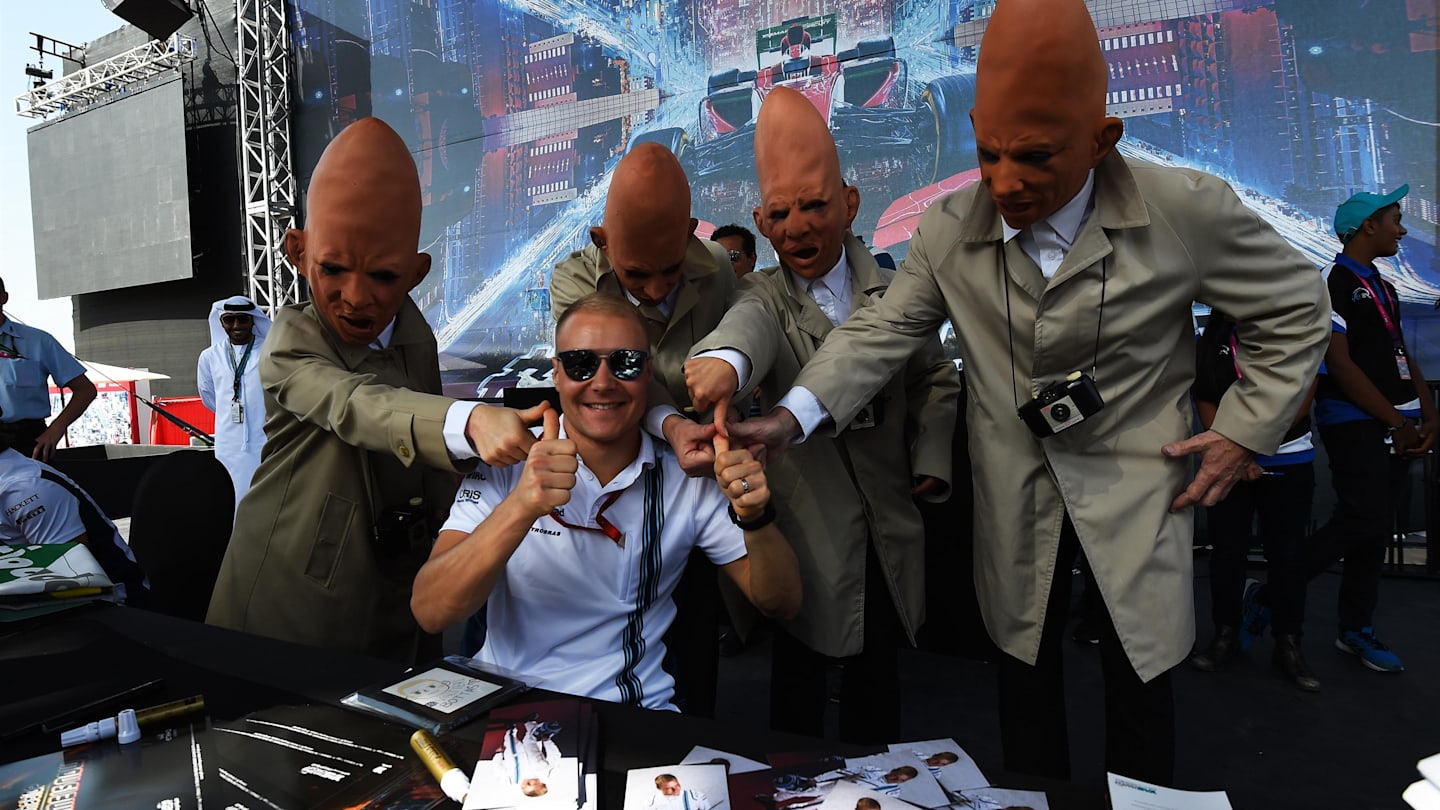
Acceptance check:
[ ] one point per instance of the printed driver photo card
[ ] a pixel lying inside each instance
(530, 757)
(897, 775)
(948, 763)
(677, 787)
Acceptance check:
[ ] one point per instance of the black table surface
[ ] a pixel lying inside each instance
(58, 662)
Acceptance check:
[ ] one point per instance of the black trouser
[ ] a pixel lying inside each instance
(1366, 478)
(1139, 716)
(21, 434)
(869, 682)
(1281, 498)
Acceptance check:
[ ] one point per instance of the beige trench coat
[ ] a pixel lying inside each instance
(300, 565)
(834, 493)
(707, 284)
(1162, 238)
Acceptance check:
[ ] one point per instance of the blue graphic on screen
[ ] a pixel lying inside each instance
(516, 113)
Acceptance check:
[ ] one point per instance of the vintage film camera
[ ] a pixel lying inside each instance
(1062, 405)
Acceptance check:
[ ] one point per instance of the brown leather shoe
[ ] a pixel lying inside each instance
(1222, 648)
(1290, 661)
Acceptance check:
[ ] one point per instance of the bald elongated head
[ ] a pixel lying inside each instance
(1039, 114)
(805, 207)
(362, 225)
(647, 224)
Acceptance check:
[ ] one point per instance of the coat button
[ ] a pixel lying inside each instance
(403, 451)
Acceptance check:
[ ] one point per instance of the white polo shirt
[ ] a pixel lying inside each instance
(563, 614)
(41, 505)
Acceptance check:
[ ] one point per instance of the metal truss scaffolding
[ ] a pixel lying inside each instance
(269, 184)
(106, 79)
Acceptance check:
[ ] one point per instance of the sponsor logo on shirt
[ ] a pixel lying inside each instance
(33, 513)
(21, 505)
(1360, 294)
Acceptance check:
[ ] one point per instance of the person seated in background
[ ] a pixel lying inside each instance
(849, 506)
(740, 243)
(646, 252)
(27, 357)
(583, 543)
(1279, 488)
(360, 450)
(228, 376)
(41, 505)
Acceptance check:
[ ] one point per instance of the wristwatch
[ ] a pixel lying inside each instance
(765, 518)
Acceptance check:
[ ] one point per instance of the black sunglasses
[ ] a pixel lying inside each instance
(735, 255)
(582, 364)
(240, 318)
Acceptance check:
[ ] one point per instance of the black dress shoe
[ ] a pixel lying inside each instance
(1291, 662)
(1222, 648)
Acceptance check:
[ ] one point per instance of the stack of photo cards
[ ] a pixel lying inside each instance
(948, 763)
(677, 787)
(537, 755)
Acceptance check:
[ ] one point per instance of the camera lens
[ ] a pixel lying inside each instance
(1059, 412)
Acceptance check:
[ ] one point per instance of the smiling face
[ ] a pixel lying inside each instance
(1385, 230)
(670, 788)
(357, 250)
(238, 326)
(602, 410)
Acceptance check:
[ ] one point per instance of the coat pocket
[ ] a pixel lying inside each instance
(330, 534)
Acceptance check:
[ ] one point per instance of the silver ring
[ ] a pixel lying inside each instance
(744, 486)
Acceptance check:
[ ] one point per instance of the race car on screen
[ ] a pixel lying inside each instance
(863, 92)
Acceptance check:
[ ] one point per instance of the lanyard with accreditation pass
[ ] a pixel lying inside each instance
(1382, 303)
(237, 408)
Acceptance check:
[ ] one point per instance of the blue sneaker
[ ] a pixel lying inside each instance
(1373, 653)
(1254, 617)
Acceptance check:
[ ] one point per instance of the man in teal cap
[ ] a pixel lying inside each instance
(1375, 416)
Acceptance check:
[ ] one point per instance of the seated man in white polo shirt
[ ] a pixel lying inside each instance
(41, 505)
(577, 550)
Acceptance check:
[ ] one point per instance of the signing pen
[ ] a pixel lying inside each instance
(452, 780)
(126, 725)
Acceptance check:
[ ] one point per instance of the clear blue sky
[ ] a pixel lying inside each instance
(73, 21)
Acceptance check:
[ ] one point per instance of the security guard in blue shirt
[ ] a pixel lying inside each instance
(28, 356)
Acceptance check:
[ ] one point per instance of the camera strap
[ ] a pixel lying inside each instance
(1010, 332)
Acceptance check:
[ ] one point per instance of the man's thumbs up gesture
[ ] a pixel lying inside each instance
(549, 470)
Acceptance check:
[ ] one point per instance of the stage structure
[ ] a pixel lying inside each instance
(100, 81)
(268, 183)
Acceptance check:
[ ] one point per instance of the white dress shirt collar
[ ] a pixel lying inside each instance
(1047, 241)
(382, 340)
(831, 291)
(665, 307)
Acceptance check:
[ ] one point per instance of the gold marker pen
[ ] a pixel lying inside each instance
(452, 780)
